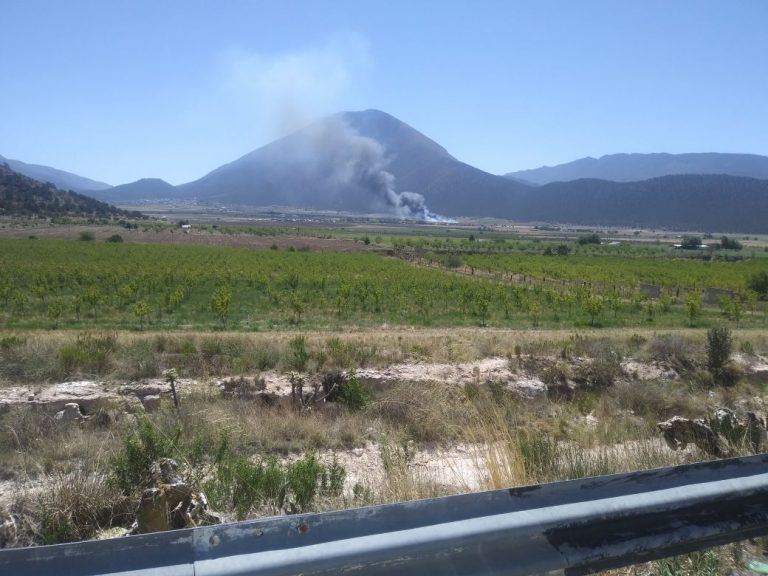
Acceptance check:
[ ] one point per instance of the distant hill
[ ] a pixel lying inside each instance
(23, 196)
(635, 167)
(139, 190)
(716, 203)
(335, 164)
(62, 179)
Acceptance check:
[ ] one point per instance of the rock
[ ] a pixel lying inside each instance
(169, 503)
(9, 530)
(71, 413)
(145, 388)
(719, 436)
(151, 403)
(678, 432)
(90, 395)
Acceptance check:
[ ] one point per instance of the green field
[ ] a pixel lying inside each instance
(626, 269)
(74, 284)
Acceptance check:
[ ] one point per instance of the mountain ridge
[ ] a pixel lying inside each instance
(369, 161)
(61, 178)
(634, 167)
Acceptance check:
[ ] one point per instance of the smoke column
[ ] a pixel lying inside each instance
(361, 162)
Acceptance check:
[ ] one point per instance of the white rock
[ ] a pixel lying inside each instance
(151, 403)
(70, 413)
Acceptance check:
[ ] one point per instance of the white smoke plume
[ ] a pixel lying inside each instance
(289, 88)
(360, 162)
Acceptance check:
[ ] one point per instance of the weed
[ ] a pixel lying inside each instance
(719, 346)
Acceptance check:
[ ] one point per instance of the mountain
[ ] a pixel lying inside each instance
(62, 179)
(370, 161)
(341, 162)
(635, 167)
(21, 195)
(708, 203)
(139, 190)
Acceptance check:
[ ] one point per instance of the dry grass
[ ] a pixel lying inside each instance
(602, 430)
(74, 506)
(49, 356)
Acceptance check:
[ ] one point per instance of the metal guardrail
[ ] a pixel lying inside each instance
(574, 527)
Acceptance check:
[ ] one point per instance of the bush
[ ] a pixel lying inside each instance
(453, 261)
(86, 236)
(719, 346)
(691, 243)
(588, 239)
(675, 350)
(730, 243)
(600, 373)
(130, 466)
(243, 486)
(353, 394)
(90, 353)
(758, 283)
(116, 238)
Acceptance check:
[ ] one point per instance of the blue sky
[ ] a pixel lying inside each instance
(117, 91)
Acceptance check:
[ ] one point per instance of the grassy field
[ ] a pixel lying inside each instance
(76, 284)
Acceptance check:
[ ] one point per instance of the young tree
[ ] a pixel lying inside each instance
(220, 301)
(593, 306)
(692, 307)
(535, 311)
(92, 297)
(55, 310)
(298, 308)
(142, 309)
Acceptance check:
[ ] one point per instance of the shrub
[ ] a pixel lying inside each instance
(130, 466)
(243, 486)
(90, 353)
(453, 261)
(556, 374)
(116, 238)
(299, 355)
(719, 346)
(588, 239)
(727, 243)
(353, 394)
(691, 243)
(758, 283)
(86, 236)
(673, 349)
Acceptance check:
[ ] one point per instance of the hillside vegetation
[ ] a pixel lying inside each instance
(23, 196)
